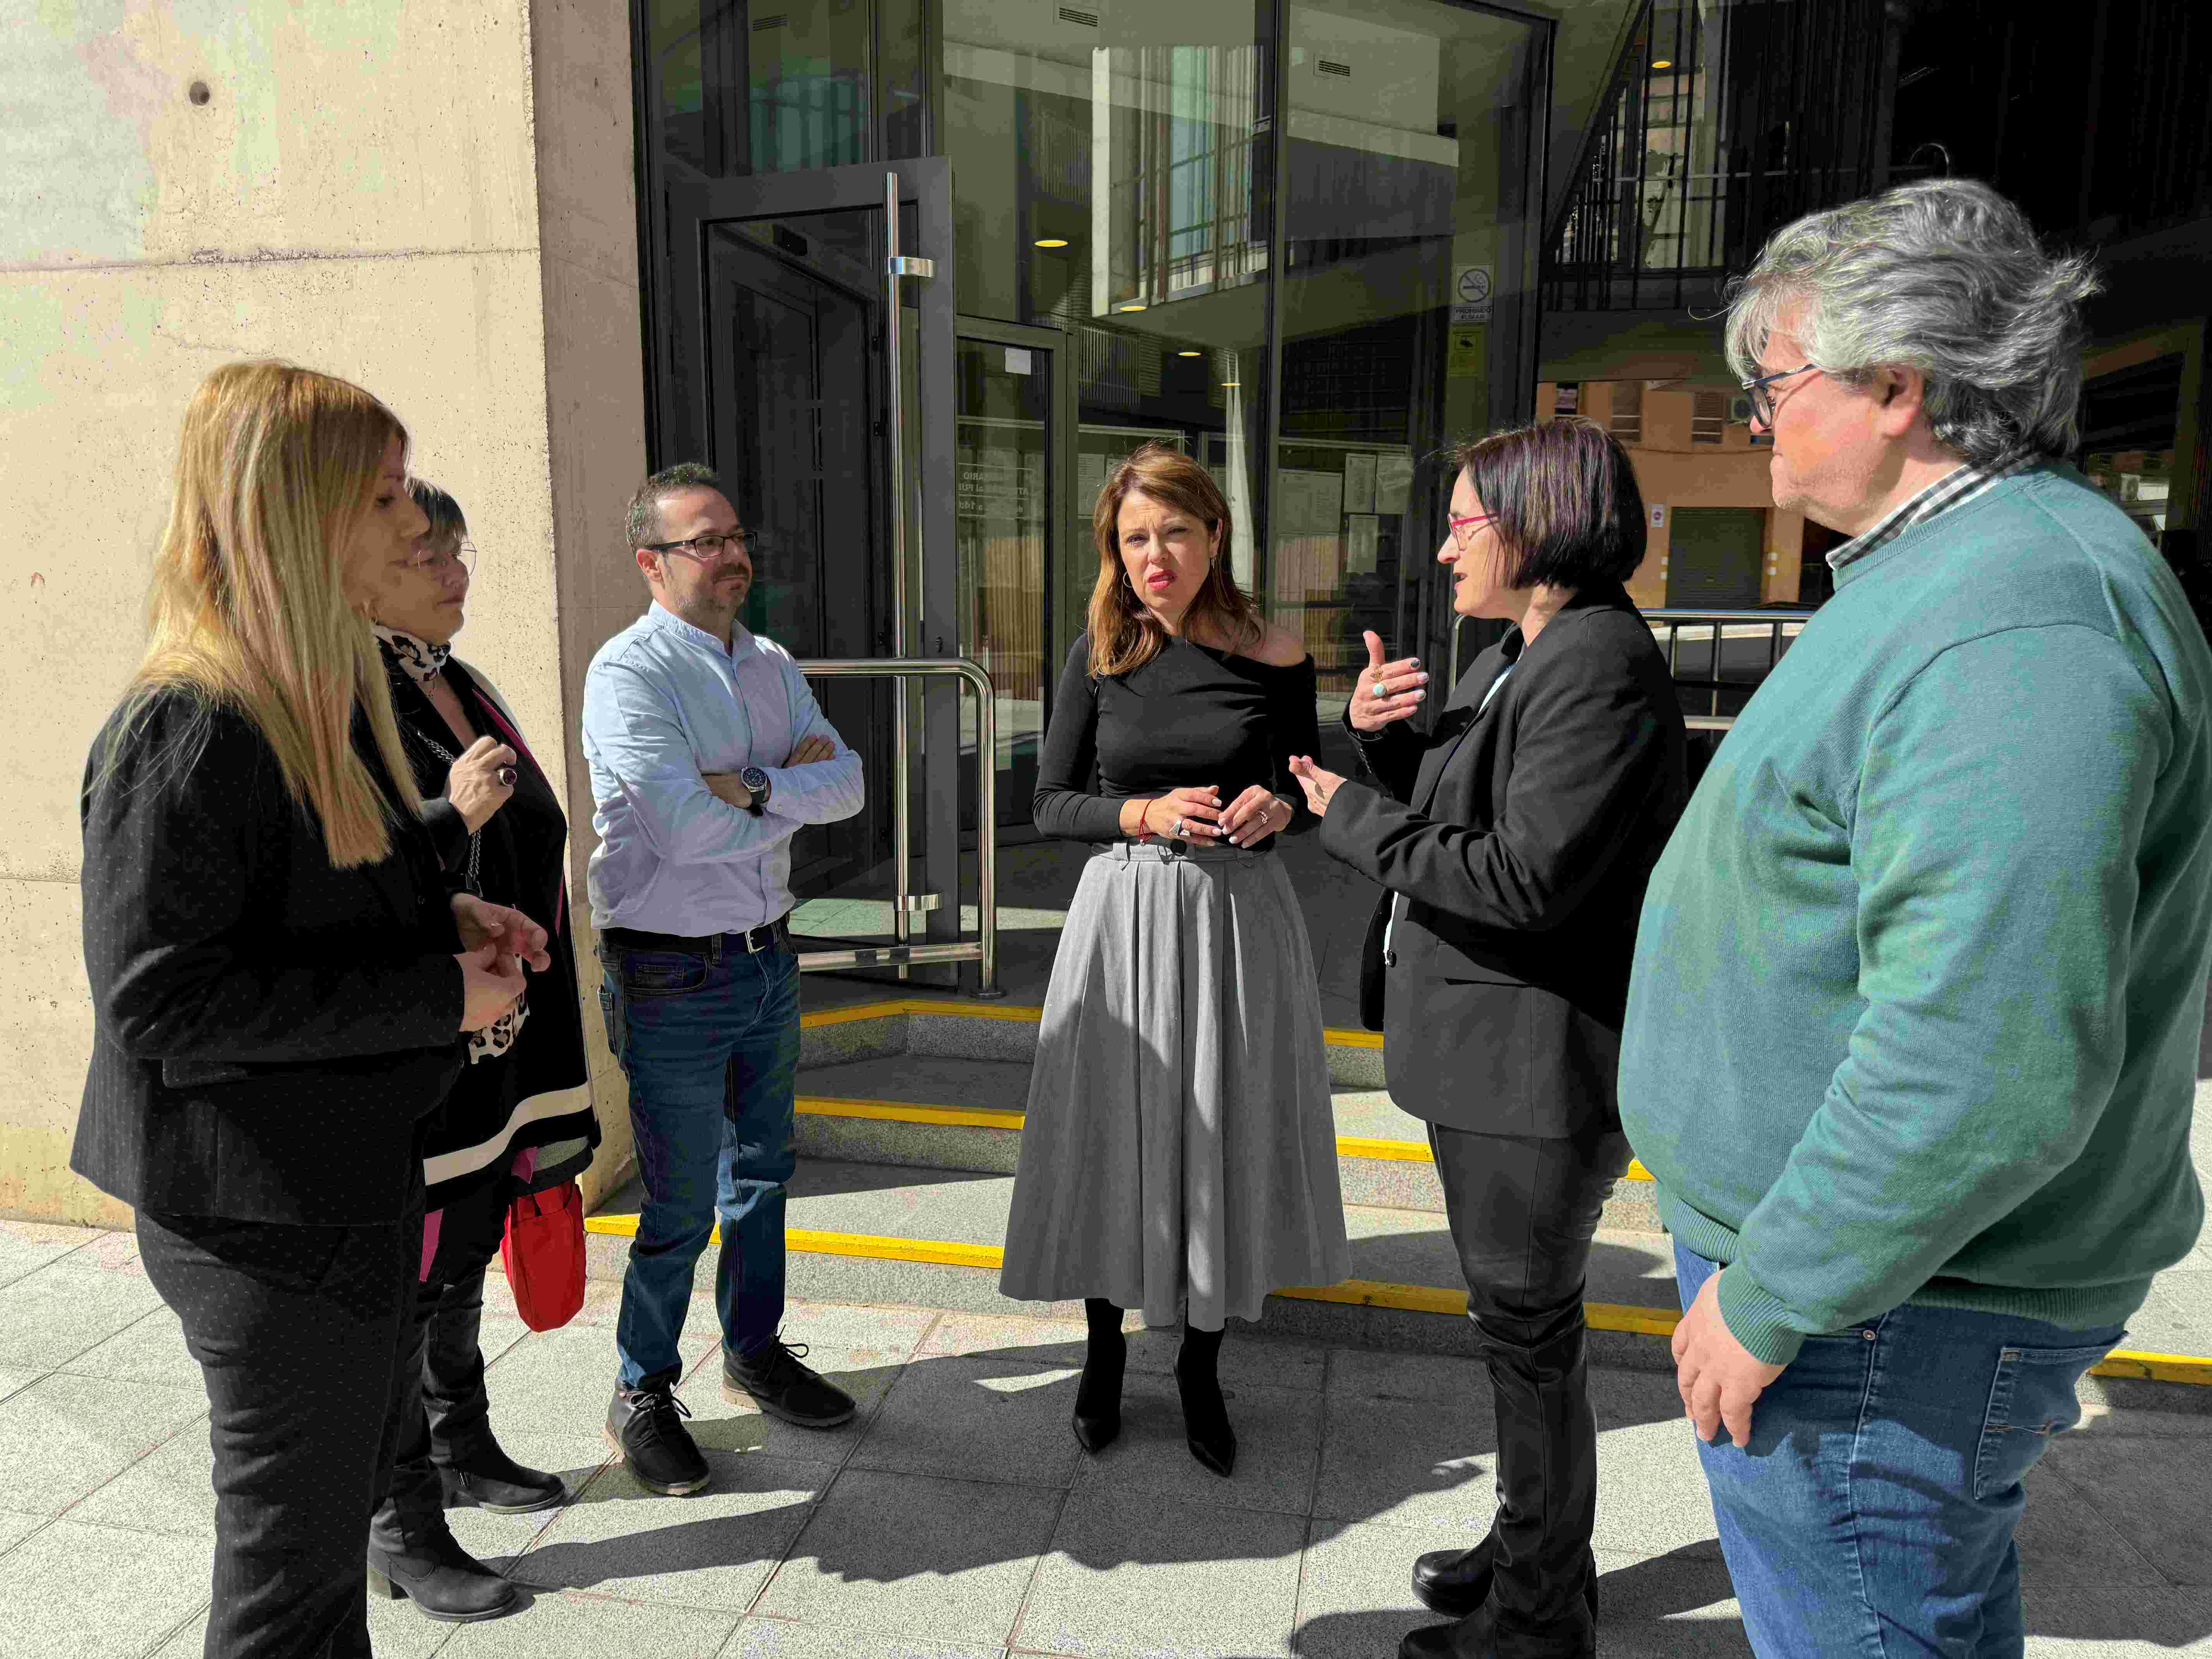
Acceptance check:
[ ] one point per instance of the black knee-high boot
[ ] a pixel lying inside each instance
(1205, 1415)
(1098, 1395)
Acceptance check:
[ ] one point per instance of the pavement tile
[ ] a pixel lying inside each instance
(1008, 1336)
(1355, 1594)
(1273, 1361)
(739, 1425)
(1715, 1632)
(1692, 1582)
(889, 1334)
(496, 1333)
(549, 1398)
(16, 1526)
(151, 1349)
(779, 1639)
(977, 1418)
(170, 1490)
(1410, 1465)
(574, 1626)
(66, 1436)
(14, 1379)
(713, 1549)
(1461, 1384)
(2065, 1544)
(2154, 1499)
(26, 1246)
(1278, 1435)
(1651, 1491)
(1214, 1581)
(2116, 1623)
(51, 1316)
(94, 1593)
(903, 1553)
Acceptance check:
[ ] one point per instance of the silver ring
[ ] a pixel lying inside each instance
(1178, 829)
(506, 775)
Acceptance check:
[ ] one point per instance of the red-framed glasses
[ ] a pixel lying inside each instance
(1479, 517)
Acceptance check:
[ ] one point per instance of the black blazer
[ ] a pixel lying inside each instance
(269, 1031)
(1522, 837)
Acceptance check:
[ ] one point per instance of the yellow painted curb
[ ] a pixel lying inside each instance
(1334, 1035)
(977, 1117)
(2189, 1369)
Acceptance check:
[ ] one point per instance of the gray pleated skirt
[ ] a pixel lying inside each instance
(1180, 1152)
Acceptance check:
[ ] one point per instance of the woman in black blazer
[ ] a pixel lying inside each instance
(1515, 842)
(280, 982)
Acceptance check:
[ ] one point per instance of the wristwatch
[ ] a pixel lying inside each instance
(756, 780)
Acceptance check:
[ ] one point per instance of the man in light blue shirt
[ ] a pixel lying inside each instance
(706, 753)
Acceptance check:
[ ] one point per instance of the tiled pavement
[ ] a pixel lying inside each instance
(955, 1516)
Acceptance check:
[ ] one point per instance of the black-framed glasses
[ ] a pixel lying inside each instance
(713, 546)
(1762, 400)
(440, 561)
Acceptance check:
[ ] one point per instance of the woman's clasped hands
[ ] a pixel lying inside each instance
(1196, 817)
(497, 941)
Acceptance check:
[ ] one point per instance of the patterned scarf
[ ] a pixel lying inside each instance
(418, 659)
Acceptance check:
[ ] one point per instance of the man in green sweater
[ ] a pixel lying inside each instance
(1912, 1040)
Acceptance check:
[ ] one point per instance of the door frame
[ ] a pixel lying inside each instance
(931, 565)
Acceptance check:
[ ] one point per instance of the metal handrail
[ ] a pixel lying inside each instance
(1719, 621)
(984, 948)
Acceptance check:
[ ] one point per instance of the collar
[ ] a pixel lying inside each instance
(418, 659)
(660, 616)
(1954, 488)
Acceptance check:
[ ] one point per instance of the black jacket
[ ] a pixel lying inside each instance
(1522, 837)
(270, 1031)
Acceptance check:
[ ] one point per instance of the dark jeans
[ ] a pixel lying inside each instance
(1873, 1512)
(444, 1417)
(295, 1329)
(1524, 1211)
(710, 1045)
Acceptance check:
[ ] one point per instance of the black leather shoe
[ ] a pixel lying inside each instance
(1097, 1419)
(1486, 1634)
(490, 1480)
(1212, 1442)
(773, 1379)
(443, 1580)
(645, 1427)
(1454, 1583)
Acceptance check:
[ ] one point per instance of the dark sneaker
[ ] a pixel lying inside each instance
(773, 1379)
(645, 1427)
(490, 1480)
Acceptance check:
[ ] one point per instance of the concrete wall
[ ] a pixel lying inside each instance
(433, 200)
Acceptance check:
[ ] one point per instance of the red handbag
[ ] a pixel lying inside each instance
(544, 1255)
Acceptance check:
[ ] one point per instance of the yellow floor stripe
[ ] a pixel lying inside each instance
(1356, 1292)
(1334, 1037)
(978, 1117)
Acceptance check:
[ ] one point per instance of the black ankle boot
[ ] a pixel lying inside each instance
(1097, 1419)
(1454, 1583)
(488, 1479)
(443, 1580)
(1204, 1414)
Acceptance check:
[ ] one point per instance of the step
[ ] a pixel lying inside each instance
(877, 1234)
(944, 1085)
(924, 1111)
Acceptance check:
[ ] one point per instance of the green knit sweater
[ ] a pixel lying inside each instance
(1920, 978)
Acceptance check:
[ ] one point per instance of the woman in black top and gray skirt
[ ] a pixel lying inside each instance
(519, 1118)
(1179, 1155)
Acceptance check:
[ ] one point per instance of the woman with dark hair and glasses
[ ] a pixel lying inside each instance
(1180, 1151)
(518, 1119)
(1515, 840)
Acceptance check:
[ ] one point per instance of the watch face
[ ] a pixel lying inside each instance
(753, 778)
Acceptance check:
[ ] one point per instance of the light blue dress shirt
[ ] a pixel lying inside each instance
(665, 703)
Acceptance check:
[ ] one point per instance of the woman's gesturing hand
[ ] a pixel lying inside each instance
(491, 981)
(1387, 691)
(1318, 785)
(1253, 816)
(1192, 815)
(513, 934)
(481, 781)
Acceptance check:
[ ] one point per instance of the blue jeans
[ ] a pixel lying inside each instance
(710, 1046)
(1872, 1516)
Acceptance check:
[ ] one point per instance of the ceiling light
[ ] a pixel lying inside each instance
(1130, 305)
(1190, 354)
(1663, 62)
(1052, 241)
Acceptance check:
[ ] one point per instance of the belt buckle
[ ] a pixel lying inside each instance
(767, 929)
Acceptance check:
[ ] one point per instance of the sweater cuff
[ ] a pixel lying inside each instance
(1758, 1318)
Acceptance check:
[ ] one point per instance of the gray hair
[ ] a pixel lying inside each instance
(642, 523)
(1945, 277)
(448, 525)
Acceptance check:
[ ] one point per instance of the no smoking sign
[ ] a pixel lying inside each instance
(1471, 291)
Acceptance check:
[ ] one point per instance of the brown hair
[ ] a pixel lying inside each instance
(1124, 634)
(1563, 501)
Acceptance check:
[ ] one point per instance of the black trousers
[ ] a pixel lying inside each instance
(1522, 1213)
(440, 1414)
(295, 1329)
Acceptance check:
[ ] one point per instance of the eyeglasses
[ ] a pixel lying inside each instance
(1479, 517)
(712, 545)
(1762, 400)
(439, 561)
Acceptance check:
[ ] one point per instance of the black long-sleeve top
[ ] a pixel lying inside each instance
(1191, 715)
